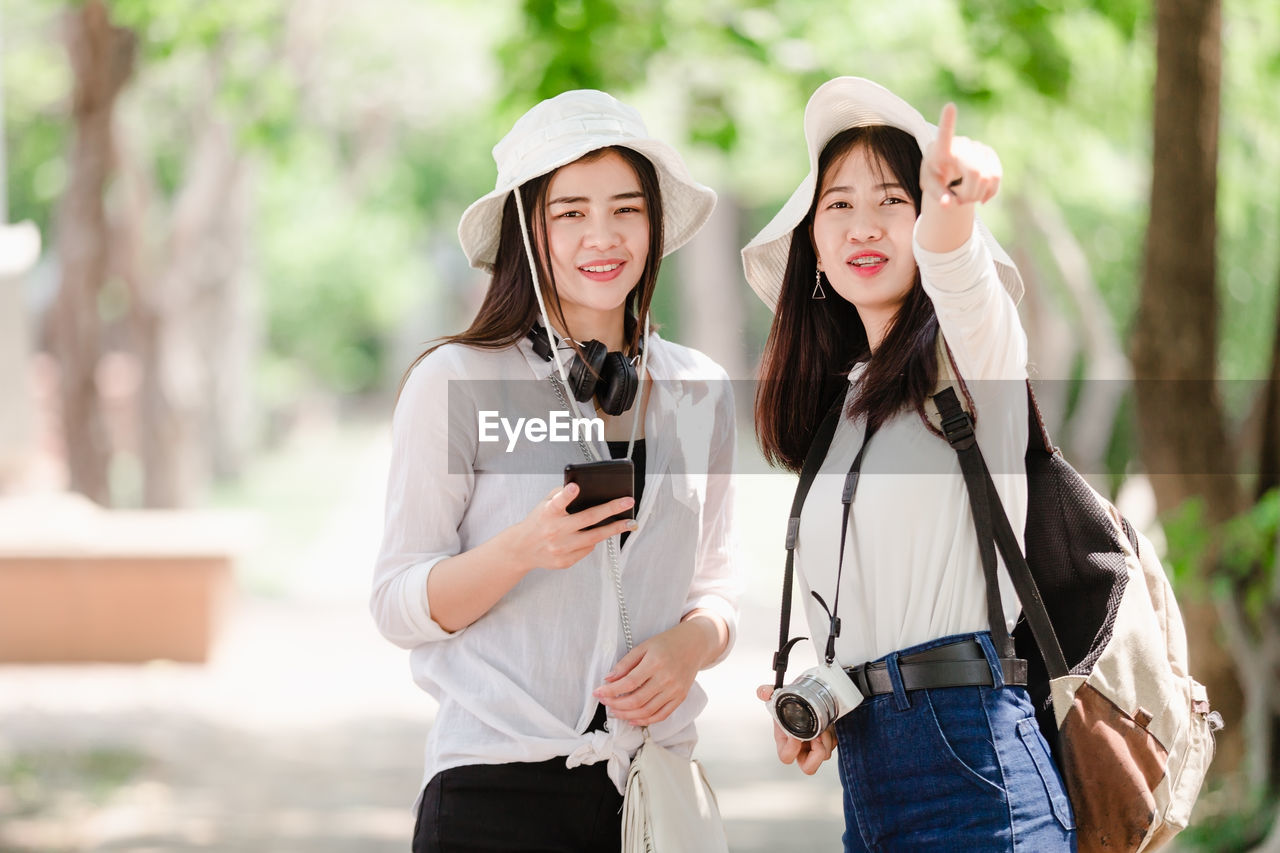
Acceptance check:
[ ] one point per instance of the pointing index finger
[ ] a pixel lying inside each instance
(946, 129)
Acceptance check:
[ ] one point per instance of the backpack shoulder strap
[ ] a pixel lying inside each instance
(957, 426)
(948, 377)
(983, 498)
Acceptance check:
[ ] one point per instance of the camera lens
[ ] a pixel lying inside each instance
(797, 717)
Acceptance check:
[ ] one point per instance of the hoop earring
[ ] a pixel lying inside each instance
(818, 292)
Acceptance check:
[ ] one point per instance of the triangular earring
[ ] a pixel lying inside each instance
(818, 292)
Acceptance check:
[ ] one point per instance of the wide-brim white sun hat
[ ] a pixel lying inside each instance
(836, 106)
(557, 132)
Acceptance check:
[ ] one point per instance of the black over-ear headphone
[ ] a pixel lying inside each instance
(610, 377)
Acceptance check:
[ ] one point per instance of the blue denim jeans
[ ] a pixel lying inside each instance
(955, 768)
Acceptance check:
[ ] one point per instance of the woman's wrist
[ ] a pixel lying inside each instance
(712, 631)
(509, 552)
(944, 229)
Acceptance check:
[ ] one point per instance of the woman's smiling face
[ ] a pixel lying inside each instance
(862, 232)
(597, 233)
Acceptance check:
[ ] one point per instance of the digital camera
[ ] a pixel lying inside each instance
(820, 696)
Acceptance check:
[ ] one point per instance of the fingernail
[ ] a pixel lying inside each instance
(571, 488)
(627, 503)
(631, 524)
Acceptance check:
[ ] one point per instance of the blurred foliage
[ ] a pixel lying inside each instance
(1230, 832)
(732, 78)
(338, 274)
(32, 782)
(1187, 537)
(1244, 551)
(167, 27)
(1248, 556)
(383, 117)
(36, 83)
(1248, 206)
(1032, 38)
(581, 44)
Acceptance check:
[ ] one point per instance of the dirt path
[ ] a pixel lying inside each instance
(304, 732)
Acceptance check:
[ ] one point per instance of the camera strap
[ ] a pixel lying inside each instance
(813, 460)
(846, 498)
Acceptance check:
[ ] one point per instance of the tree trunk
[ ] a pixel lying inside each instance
(713, 314)
(179, 317)
(102, 59)
(232, 339)
(1175, 346)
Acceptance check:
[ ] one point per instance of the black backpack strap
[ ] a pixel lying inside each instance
(984, 499)
(812, 462)
(958, 428)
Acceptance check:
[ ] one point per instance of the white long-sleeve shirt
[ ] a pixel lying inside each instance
(912, 571)
(516, 684)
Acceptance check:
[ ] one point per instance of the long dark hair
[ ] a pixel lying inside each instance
(510, 308)
(813, 344)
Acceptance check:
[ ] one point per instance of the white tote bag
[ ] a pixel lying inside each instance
(669, 806)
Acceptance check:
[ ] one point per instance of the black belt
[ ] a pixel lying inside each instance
(958, 664)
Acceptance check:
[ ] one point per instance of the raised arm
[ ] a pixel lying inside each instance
(978, 318)
(956, 174)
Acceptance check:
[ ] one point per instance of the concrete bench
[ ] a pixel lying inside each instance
(80, 583)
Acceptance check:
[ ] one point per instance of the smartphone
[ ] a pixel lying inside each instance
(601, 482)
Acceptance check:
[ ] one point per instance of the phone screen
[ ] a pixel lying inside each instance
(601, 482)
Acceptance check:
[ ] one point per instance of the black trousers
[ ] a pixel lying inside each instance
(541, 806)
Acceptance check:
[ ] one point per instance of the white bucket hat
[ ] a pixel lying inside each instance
(836, 106)
(557, 132)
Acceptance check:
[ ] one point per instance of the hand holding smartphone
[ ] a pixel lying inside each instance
(601, 482)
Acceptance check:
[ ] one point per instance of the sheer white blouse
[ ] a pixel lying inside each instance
(516, 684)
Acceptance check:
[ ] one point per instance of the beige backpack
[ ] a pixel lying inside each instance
(1131, 730)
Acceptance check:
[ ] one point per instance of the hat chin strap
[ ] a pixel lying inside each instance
(546, 321)
(640, 378)
(537, 286)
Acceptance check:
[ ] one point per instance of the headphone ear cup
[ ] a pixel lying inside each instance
(621, 382)
(585, 375)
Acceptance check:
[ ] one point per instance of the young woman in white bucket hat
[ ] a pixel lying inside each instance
(507, 600)
(881, 277)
